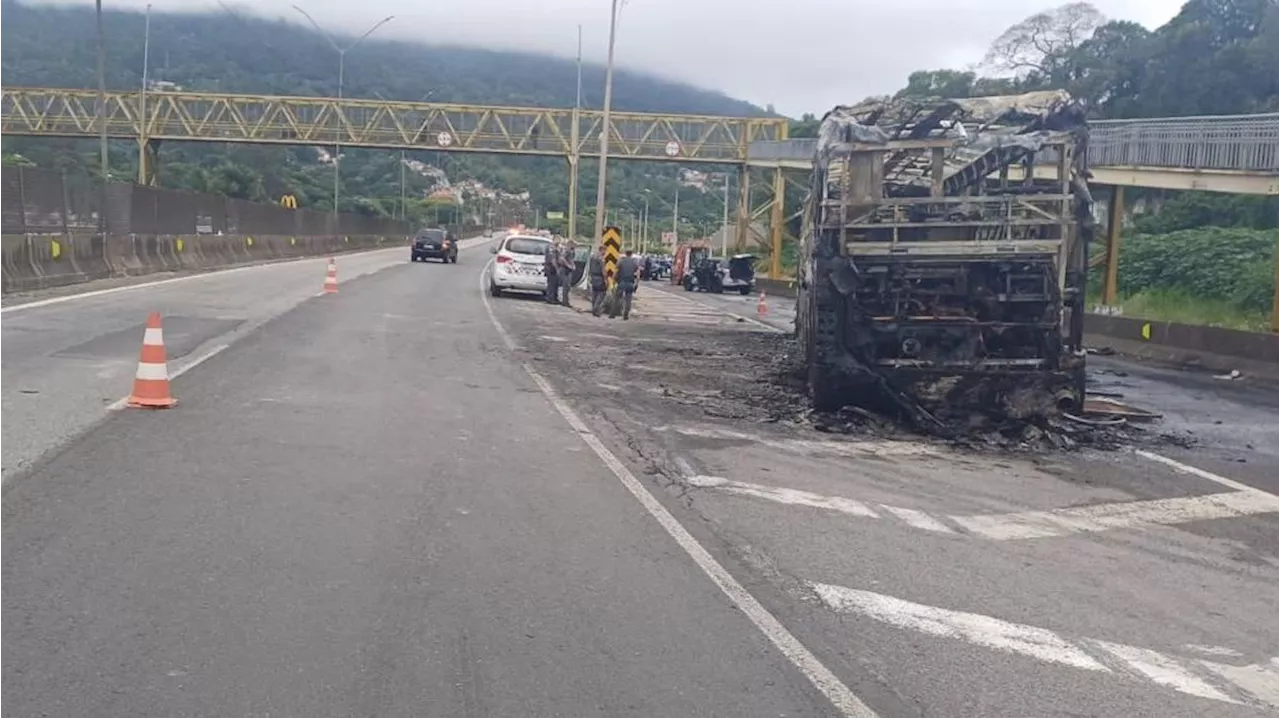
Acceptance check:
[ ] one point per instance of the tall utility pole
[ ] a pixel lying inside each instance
(575, 157)
(644, 227)
(724, 236)
(342, 70)
(102, 120)
(605, 122)
(675, 214)
(143, 161)
(403, 213)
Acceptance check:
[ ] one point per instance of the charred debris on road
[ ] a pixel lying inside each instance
(942, 275)
(666, 372)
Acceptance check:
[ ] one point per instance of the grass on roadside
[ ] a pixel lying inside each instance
(1172, 306)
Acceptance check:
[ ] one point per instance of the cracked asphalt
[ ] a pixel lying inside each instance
(711, 410)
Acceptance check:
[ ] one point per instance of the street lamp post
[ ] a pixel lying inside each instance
(342, 69)
(102, 120)
(143, 170)
(675, 214)
(724, 236)
(605, 121)
(644, 231)
(575, 156)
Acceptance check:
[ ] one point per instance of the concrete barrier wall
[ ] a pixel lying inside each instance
(1210, 347)
(39, 261)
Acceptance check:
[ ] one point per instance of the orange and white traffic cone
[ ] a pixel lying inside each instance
(762, 308)
(331, 278)
(151, 382)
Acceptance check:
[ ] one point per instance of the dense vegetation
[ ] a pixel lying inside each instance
(1216, 57)
(234, 52)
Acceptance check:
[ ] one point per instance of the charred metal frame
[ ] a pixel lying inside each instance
(950, 281)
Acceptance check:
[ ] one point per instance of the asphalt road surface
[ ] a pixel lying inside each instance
(409, 499)
(1133, 580)
(363, 507)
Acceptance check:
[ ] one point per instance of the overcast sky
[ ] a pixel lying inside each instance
(800, 55)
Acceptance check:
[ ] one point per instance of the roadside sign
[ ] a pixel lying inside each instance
(611, 240)
(289, 201)
(555, 215)
(444, 139)
(673, 148)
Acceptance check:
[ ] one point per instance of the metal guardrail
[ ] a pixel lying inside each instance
(1240, 143)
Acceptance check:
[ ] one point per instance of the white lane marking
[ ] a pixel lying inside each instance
(1260, 681)
(121, 403)
(853, 449)
(160, 282)
(918, 519)
(801, 657)
(1020, 525)
(1213, 650)
(1161, 669)
(1188, 469)
(1120, 515)
(792, 497)
(1038, 643)
(1257, 681)
(464, 244)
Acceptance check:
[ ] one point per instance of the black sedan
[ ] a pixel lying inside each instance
(435, 244)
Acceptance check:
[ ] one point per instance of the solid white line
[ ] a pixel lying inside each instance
(1045, 645)
(464, 244)
(792, 497)
(1119, 515)
(1261, 681)
(801, 657)
(1188, 469)
(1162, 669)
(1039, 643)
(855, 449)
(121, 403)
(160, 282)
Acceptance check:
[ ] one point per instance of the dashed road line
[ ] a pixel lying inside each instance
(1252, 684)
(1019, 525)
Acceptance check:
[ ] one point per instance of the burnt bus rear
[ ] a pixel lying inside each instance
(945, 259)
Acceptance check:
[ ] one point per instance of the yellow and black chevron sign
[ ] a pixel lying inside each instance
(611, 240)
(289, 201)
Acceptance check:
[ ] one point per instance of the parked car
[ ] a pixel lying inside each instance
(517, 265)
(715, 275)
(435, 244)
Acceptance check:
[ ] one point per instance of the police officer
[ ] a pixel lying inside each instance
(565, 271)
(628, 273)
(551, 269)
(595, 274)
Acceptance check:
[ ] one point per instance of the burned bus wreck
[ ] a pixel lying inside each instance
(945, 258)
